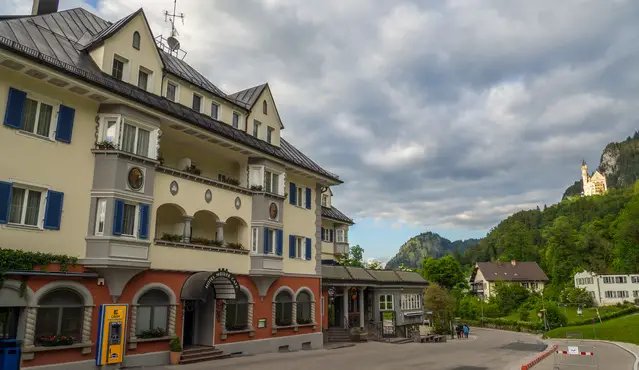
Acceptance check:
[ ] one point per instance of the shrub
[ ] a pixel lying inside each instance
(175, 345)
(524, 314)
(555, 317)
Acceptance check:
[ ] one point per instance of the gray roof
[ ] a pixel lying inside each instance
(182, 69)
(111, 30)
(510, 271)
(52, 40)
(335, 214)
(373, 277)
(248, 97)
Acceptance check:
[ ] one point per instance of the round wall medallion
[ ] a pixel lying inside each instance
(272, 211)
(174, 187)
(135, 178)
(238, 203)
(208, 196)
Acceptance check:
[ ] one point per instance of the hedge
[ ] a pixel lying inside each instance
(605, 317)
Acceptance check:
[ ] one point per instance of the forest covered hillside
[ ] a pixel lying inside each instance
(426, 245)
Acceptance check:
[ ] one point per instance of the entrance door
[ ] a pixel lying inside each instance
(189, 323)
(335, 315)
(9, 322)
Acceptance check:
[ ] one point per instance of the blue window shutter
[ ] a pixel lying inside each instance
(323, 231)
(308, 249)
(53, 212)
(15, 108)
(331, 234)
(64, 130)
(266, 241)
(280, 242)
(144, 221)
(292, 194)
(5, 201)
(308, 198)
(118, 217)
(291, 246)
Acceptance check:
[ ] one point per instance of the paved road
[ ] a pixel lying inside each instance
(488, 350)
(606, 356)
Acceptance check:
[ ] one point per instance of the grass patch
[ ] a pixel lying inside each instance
(622, 329)
(571, 314)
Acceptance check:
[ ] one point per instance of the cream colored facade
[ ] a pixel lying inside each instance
(592, 185)
(220, 203)
(486, 288)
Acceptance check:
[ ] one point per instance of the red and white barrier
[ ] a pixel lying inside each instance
(539, 358)
(576, 354)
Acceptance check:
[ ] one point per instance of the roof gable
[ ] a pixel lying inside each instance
(250, 96)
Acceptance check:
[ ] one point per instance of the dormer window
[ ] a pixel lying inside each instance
(324, 200)
(256, 128)
(143, 79)
(264, 107)
(136, 40)
(215, 111)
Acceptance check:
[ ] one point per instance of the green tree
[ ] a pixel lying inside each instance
(562, 256)
(442, 305)
(446, 272)
(374, 265)
(576, 297)
(626, 239)
(509, 296)
(517, 243)
(354, 258)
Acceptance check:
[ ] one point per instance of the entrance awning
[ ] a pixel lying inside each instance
(222, 282)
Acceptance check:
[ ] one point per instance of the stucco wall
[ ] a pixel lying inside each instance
(300, 221)
(269, 120)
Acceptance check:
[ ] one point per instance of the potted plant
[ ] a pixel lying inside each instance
(175, 348)
(105, 145)
(257, 188)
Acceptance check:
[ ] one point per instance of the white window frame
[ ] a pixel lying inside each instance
(100, 216)
(255, 240)
(300, 248)
(300, 200)
(272, 246)
(43, 190)
(256, 128)
(240, 125)
(119, 132)
(340, 236)
(149, 78)
(177, 90)
(324, 200)
(411, 301)
(201, 101)
(278, 188)
(327, 236)
(386, 302)
(136, 221)
(55, 104)
(125, 67)
(219, 110)
(634, 279)
(269, 134)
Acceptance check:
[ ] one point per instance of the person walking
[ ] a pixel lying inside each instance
(466, 331)
(459, 330)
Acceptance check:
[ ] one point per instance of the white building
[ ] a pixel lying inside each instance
(609, 289)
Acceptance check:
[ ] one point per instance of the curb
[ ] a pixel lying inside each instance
(539, 358)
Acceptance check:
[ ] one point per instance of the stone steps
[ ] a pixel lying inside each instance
(201, 354)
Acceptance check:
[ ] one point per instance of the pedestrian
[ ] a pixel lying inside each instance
(466, 331)
(459, 331)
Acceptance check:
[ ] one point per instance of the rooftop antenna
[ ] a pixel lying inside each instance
(172, 41)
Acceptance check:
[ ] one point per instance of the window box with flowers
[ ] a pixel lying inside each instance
(152, 333)
(55, 340)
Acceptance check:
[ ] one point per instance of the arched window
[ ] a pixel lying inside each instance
(304, 308)
(153, 315)
(284, 309)
(136, 40)
(237, 312)
(264, 107)
(59, 320)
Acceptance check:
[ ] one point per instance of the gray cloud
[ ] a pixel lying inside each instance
(447, 114)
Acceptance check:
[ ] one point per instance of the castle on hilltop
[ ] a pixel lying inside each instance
(592, 185)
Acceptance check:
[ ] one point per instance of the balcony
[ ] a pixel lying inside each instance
(341, 248)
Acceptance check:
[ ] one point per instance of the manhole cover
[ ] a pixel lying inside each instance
(528, 347)
(469, 368)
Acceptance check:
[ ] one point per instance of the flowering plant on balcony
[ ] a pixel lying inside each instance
(257, 188)
(105, 145)
(152, 333)
(55, 340)
(235, 245)
(193, 170)
(232, 181)
(176, 238)
(198, 240)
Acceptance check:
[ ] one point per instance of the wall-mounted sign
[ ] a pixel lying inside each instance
(111, 334)
(174, 188)
(238, 203)
(261, 323)
(331, 291)
(273, 211)
(135, 178)
(208, 196)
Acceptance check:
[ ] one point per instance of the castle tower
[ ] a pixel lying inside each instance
(584, 172)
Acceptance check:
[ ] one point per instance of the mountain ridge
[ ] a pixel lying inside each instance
(428, 244)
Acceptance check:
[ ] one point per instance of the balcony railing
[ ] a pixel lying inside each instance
(204, 247)
(204, 180)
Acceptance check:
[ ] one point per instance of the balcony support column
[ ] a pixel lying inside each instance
(186, 235)
(220, 231)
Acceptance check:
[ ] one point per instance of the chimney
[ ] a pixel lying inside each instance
(513, 262)
(44, 7)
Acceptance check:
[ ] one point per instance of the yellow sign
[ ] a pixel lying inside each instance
(111, 334)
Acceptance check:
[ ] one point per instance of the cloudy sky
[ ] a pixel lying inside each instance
(438, 115)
